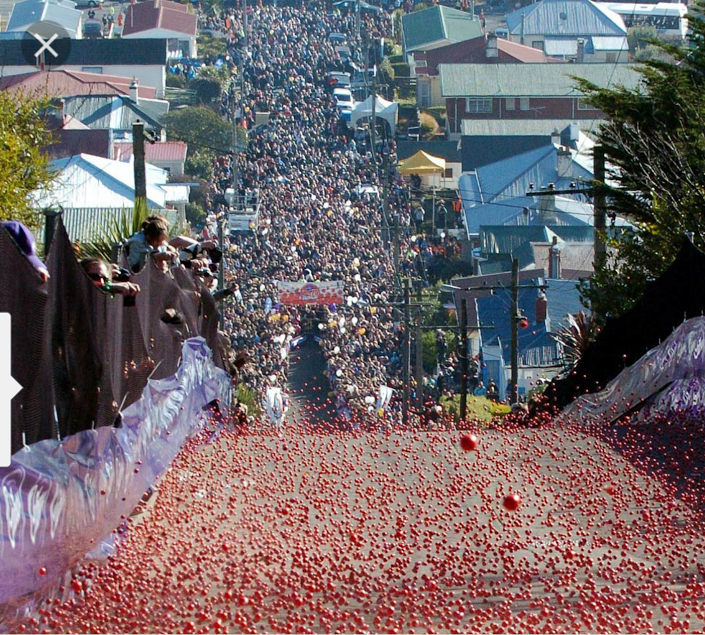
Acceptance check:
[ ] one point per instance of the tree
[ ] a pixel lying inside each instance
(24, 168)
(201, 128)
(207, 89)
(654, 142)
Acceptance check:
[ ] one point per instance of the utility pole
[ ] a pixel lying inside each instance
(139, 163)
(514, 387)
(407, 352)
(463, 351)
(373, 131)
(600, 206)
(221, 270)
(419, 354)
(397, 247)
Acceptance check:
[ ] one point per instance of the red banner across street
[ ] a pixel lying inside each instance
(301, 293)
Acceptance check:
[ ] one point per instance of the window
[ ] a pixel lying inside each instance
(424, 96)
(610, 58)
(524, 103)
(478, 104)
(92, 69)
(510, 103)
(584, 105)
(448, 174)
(537, 44)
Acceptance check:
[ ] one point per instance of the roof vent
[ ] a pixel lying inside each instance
(563, 15)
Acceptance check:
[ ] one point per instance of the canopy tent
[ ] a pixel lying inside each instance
(384, 109)
(352, 4)
(422, 163)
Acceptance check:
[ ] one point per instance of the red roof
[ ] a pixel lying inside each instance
(160, 151)
(67, 143)
(159, 14)
(474, 52)
(63, 83)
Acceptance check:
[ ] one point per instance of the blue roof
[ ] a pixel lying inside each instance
(563, 298)
(511, 178)
(566, 18)
(63, 13)
(536, 347)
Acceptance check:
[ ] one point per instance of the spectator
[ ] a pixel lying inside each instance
(101, 275)
(25, 241)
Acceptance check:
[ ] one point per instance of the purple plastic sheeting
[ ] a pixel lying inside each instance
(52, 507)
(671, 377)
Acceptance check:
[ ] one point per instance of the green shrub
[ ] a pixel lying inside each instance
(248, 397)
(206, 88)
(386, 72)
(174, 80)
(195, 215)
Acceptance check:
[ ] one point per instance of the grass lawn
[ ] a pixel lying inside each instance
(479, 408)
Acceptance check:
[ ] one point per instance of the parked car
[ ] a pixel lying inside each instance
(338, 39)
(343, 98)
(338, 80)
(93, 30)
(343, 52)
(83, 4)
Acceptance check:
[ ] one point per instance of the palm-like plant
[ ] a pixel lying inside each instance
(120, 228)
(575, 337)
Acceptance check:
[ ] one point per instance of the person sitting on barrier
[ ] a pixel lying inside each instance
(101, 275)
(25, 241)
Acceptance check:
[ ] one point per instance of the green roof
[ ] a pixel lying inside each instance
(438, 24)
(530, 80)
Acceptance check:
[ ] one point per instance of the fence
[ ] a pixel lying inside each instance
(83, 356)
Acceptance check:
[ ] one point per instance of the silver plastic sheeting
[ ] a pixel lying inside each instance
(59, 500)
(671, 377)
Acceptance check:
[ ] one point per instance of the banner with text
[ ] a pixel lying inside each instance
(301, 293)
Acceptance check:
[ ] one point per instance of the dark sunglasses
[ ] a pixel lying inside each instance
(98, 277)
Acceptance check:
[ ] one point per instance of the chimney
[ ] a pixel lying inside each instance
(541, 308)
(134, 90)
(564, 161)
(523, 20)
(547, 207)
(581, 51)
(491, 48)
(554, 260)
(555, 137)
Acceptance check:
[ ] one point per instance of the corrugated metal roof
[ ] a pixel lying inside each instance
(25, 14)
(520, 127)
(160, 151)
(566, 17)
(115, 112)
(563, 299)
(438, 23)
(530, 80)
(87, 181)
(558, 47)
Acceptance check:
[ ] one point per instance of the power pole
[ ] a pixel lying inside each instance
(514, 388)
(419, 354)
(407, 352)
(600, 206)
(373, 131)
(139, 163)
(463, 352)
(221, 270)
(397, 247)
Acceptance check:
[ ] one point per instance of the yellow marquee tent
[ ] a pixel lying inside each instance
(422, 163)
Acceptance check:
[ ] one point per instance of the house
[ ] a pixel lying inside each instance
(578, 30)
(525, 91)
(545, 310)
(63, 83)
(486, 49)
(435, 27)
(167, 155)
(71, 137)
(117, 112)
(143, 59)
(163, 19)
(447, 150)
(94, 190)
(534, 169)
(61, 12)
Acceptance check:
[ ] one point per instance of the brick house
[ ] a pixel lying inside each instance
(524, 91)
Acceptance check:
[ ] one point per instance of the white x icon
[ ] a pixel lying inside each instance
(46, 46)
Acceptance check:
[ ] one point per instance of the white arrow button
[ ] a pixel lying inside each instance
(8, 389)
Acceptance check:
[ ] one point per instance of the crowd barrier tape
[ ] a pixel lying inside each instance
(60, 499)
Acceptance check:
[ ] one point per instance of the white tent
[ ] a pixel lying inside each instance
(384, 109)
